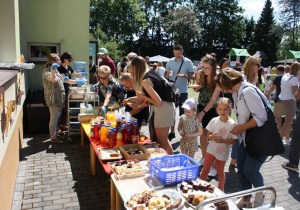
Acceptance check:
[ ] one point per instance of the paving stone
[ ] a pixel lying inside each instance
(27, 206)
(42, 204)
(34, 200)
(61, 192)
(65, 200)
(57, 206)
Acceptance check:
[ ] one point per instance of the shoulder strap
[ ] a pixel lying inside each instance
(179, 69)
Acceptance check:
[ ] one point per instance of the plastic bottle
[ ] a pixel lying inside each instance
(119, 138)
(22, 58)
(119, 120)
(92, 133)
(129, 135)
(114, 137)
(124, 134)
(102, 121)
(135, 133)
(103, 135)
(96, 131)
(108, 138)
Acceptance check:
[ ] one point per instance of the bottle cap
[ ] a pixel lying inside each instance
(135, 123)
(128, 128)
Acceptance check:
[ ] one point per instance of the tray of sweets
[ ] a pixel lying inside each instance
(196, 191)
(157, 152)
(155, 199)
(109, 154)
(124, 169)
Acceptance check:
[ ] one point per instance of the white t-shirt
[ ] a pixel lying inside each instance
(161, 71)
(268, 84)
(287, 82)
(222, 129)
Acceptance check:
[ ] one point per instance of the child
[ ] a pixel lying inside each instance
(189, 128)
(268, 84)
(220, 140)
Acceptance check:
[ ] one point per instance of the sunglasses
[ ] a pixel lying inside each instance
(128, 88)
(258, 65)
(103, 78)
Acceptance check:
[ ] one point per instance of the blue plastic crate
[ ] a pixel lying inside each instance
(79, 66)
(159, 169)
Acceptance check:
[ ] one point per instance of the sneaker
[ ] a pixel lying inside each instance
(212, 172)
(201, 161)
(171, 136)
(56, 141)
(241, 203)
(64, 128)
(286, 142)
(289, 166)
(259, 199)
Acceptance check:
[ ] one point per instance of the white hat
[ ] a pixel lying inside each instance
(189, 104)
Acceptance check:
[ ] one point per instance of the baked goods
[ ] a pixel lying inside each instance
(222, 205)
(127, 167)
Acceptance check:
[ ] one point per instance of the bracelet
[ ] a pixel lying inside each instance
(204, 111)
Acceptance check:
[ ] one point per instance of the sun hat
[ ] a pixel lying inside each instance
(189, 104)
(102, 51)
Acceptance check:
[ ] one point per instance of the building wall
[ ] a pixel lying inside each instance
(56, 21)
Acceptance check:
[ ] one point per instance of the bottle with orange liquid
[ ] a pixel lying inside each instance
(103, 135)
(119, 138)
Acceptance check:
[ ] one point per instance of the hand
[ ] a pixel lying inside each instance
(103, 110)
(187, 136)
(95, 86)
(182, 75)
(80, 81)
(212, 137)
(125, 101)
(237, 130)
(218, 140)
(66, 78)
(200, 116)
(181, 133)
(84, 74)
(54, 66)
(139, 95)
(196, 89)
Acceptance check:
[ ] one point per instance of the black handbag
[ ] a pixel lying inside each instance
(264, 140)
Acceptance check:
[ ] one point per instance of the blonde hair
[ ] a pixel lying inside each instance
(51, 57)
(224, 100)
(212, 61)
(228, 78)
(295, 68)
(248, 69)
(125, 77)
(104, 70)
(159, 63)
(139, 67)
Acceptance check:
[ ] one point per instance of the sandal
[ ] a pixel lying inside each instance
(64, 128)
(56, 141)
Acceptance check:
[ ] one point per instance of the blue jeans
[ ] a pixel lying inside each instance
(234, 150)
(248, 169)
(55, 112)
(183, 97)
(295, 142)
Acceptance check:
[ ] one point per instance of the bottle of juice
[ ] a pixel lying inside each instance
(103, 135)
(114, 136)
(135, 133)
(119, 138)
(92, 133)
(102, 121)
(124, 134)
(96, 131)
(129, 135)
(119, 120)
(108, 138)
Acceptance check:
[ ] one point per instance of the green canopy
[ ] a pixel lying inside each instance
(293, 54)
(238, 52)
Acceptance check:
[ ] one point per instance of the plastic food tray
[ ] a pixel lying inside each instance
(129, 175)
(172, 169)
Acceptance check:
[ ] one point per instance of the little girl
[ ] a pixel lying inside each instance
(220, 140)
(189, 128)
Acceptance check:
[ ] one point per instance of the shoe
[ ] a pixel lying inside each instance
(171, 136)
(56, 141)
(212, 172)
(241, 203)
(289, 166)
(286, 142)
(60, 132)
(202, 161)
(64, 127)
(259, 199)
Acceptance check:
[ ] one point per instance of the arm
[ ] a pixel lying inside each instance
(226, 141)
(294, 89)
(154, 97)
(199, 133)
(76, 75)
(179, 128)
(270, 91)
(197, 89)
(53, 77)
(241, 128)
(107, 97)
(297, 96)
(210, 104)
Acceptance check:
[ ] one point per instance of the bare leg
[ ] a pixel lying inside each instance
(285, 129)
(191, 154)
(278, 121)
(203, 142)
(162, 139)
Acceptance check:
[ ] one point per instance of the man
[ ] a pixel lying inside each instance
(186, 72)
(147, 59)
(278, 109)
(107, 61)
(238, 66)
(287, 69)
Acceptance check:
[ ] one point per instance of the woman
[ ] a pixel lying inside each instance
(287, 101)
(208, 95)
(261, 79)
(110, 93)
(66, 71)
(148, 86)
(247, 102)
(250, 69)
(54, 94)
(223, 63)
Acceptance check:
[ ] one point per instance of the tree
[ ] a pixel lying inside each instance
(267, 37)
(290, 22)
(250, 25)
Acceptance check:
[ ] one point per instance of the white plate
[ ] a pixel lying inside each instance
(172, 193)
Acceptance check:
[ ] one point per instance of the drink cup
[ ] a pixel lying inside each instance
(171, 73)
(142, 137)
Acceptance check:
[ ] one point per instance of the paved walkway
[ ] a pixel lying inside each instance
(59, 177)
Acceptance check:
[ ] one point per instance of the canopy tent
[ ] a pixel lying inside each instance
(287, 61)
(238, 53)
(260, 54)
(292, 55)
(159, 58)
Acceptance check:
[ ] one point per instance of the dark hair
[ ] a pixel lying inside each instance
(177, 47)
(124, 59)
(212, 61)
(280, 68)
(222, 61)
(66, 55)
(91, 57)
(259, 75)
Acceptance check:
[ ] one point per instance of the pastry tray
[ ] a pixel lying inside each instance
(127, 175)
(105, 154)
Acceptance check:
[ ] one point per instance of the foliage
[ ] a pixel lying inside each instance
(290, 22)
(250, 25)
(267, 36)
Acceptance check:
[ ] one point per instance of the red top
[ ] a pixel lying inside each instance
(108, 62)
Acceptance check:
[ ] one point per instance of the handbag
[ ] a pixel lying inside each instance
(264, 140)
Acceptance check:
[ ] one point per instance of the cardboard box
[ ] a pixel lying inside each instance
(82, 117)
(126, 147)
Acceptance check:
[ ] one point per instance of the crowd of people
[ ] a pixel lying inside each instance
(223, 91)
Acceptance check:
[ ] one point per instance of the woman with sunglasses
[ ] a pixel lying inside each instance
(109, 90)
(66, 72)
(250, 69)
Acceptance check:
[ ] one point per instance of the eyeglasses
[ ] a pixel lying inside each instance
(258, 65)
(103, 78)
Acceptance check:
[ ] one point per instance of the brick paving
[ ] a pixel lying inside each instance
(59, 177)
